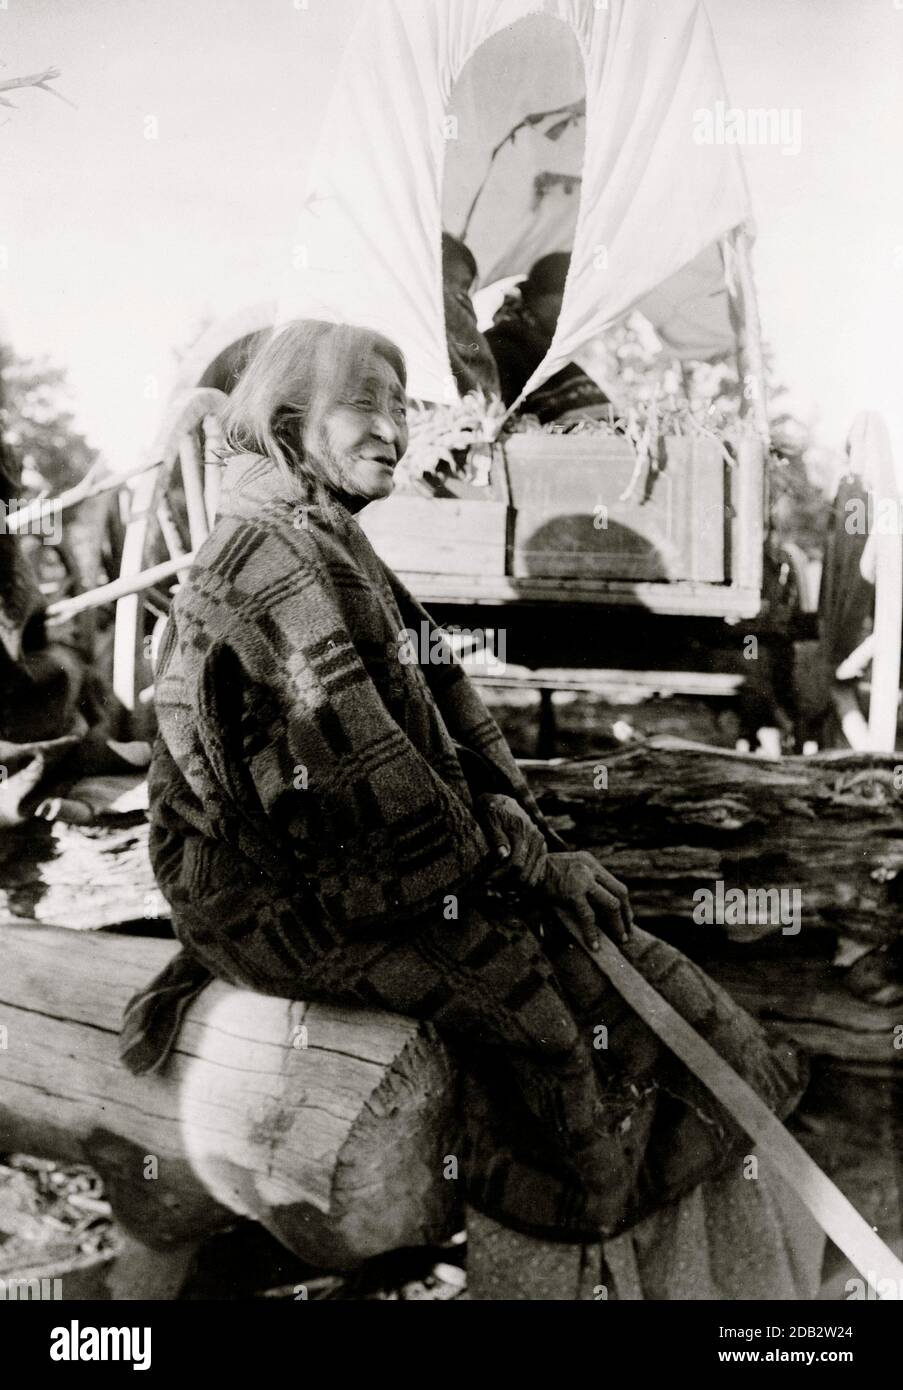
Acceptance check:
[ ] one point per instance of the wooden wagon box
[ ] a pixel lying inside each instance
(577, 507)
(579, 511)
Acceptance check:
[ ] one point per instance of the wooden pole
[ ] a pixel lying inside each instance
(748, 326)
(749, 489)
(21, 520)
(191, 460)
(834, 1212)
(65, 609)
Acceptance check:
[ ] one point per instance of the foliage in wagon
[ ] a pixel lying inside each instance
(658, 399)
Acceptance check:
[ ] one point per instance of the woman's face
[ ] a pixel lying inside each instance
(363, 434)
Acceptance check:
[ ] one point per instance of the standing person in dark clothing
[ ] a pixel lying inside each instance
(469, 354)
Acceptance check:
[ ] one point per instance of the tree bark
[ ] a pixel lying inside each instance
(670, 818)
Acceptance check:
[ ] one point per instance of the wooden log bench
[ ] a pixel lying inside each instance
(330, 1127)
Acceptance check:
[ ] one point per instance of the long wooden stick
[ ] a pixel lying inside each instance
(834, 1212)
(66, 608)
(853, 665)
(192, 464)
(21, 520)
(852, 721)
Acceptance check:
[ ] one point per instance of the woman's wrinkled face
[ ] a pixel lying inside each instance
(363, 434)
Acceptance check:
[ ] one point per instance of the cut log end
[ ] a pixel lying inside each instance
(335, 1146)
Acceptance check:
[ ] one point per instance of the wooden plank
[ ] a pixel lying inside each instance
(701, 463)
(707, 684)
(553, 543)
(576, 517)
(440, 535)
(672, 598)
(775, 1146)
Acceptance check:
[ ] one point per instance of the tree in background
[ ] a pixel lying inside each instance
(38, 427)
(44, 453)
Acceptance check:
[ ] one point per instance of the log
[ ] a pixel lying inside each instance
(332, 1138)
(810, 1000)
(670, 817)
(80, 877)
(666, 816)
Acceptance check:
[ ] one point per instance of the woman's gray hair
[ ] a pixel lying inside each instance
(288, 386)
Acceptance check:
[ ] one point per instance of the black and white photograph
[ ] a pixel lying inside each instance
(451, 608)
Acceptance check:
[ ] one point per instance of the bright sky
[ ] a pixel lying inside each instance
(116, 245)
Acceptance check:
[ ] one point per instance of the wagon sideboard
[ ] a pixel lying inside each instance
(683, 537)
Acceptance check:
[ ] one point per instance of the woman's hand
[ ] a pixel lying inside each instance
(518, 842)
(588, 896)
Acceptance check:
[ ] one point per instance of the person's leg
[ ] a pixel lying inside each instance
(506, 1266)
(734, 1237)
(532, 1145)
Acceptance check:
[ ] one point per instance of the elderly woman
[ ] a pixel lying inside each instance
(333, 821)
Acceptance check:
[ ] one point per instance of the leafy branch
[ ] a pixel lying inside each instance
(442, 433)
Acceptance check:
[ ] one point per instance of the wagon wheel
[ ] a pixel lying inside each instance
(171, 513)
(860, 611)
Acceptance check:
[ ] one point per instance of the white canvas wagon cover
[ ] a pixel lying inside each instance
(649, 211)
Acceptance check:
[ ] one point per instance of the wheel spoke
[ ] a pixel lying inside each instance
(214, 443)
(169, 530)
(191, 460)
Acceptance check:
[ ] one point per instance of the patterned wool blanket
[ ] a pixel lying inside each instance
(315, 826)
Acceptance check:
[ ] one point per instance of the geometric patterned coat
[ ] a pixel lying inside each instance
(314, 809)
